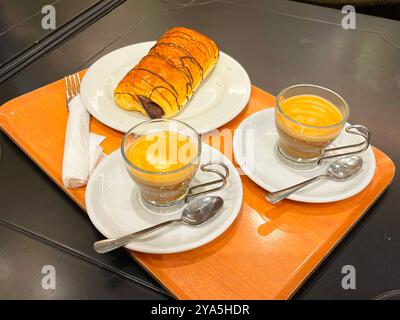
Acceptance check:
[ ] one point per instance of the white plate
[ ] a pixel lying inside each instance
(115, 208)
(253, 147)
(219, 99)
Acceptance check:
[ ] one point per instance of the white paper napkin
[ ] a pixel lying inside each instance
(82, 150)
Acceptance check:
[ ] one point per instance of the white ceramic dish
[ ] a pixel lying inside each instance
(115, 207)
(254, 150)
(219, 99)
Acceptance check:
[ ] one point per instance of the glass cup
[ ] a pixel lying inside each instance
(300, 146)
(160, 187)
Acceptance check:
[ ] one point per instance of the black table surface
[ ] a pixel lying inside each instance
(279, 43)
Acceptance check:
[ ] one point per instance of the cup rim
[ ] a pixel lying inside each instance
(130, 131)
(341, 123)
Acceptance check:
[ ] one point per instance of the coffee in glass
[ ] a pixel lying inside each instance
(308, 118)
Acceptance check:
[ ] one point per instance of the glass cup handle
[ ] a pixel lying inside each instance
(362, 146)
(222, 181)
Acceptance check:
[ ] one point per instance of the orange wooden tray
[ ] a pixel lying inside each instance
(268, 251)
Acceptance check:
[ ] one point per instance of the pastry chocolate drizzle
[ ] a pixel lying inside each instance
(157, 75)
(193, 40)
(173, 91)
(189, 56)
(152, 108)
(156, 89)
(183, 69)
(199, 42)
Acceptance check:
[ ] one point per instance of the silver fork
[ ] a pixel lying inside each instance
(72, 86)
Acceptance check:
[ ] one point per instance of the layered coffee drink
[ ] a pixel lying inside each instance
(162, 160)
(308, 118)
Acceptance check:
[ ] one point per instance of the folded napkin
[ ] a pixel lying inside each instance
(82, 150)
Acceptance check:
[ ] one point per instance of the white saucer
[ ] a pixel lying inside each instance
(254, 149)
(115, 207)
(219, 99)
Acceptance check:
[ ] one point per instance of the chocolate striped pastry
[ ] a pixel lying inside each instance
(165, 79)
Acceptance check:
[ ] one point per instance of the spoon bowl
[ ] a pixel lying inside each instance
(201, 210)
(344, 168)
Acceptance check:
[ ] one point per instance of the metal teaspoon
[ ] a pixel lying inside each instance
(340, 170)
(197, 212)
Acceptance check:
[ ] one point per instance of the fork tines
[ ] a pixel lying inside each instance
(72, 86)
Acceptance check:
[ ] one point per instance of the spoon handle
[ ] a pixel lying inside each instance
(107, 245)
(277, 196)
